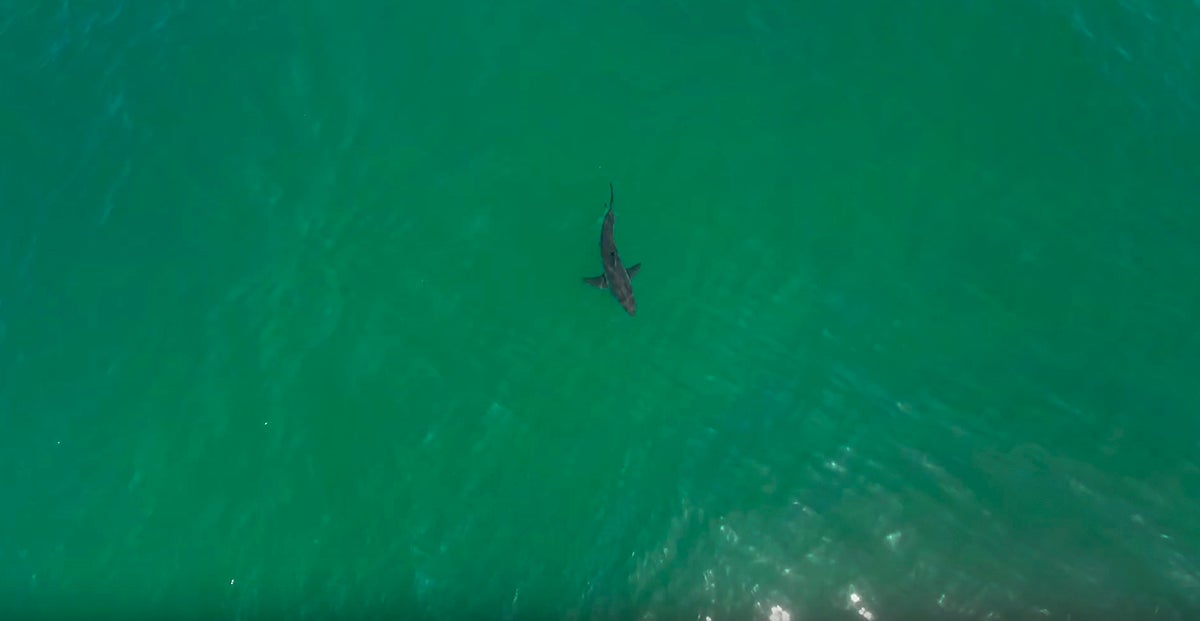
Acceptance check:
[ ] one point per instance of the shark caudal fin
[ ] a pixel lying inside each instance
(599, 282)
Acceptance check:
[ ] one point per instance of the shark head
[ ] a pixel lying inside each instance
(630, 305)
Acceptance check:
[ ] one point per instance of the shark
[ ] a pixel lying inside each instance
(617, 278)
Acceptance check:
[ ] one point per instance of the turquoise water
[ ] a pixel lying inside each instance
(292, 321)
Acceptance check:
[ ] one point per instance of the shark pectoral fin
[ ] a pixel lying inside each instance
(632, 271)
(600, 282)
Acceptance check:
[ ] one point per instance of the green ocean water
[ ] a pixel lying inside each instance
(292, 322)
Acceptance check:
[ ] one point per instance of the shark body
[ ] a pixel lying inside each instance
(616, 277)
